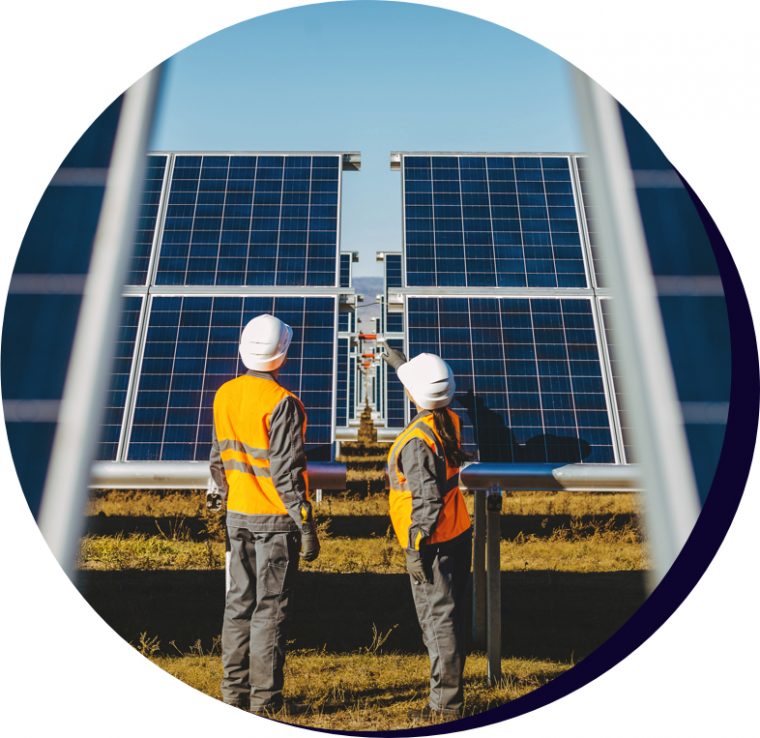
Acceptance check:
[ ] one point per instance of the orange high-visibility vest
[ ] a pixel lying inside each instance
(242, 411)
(453, 519)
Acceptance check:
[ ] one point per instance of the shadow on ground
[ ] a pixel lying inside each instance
(548, 615)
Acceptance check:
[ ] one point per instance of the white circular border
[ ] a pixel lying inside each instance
(688, 72)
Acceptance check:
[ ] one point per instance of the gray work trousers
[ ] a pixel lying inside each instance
(442, 609)
(262, 569)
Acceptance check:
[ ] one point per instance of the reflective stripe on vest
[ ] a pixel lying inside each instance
(242, 412)
(453, 519)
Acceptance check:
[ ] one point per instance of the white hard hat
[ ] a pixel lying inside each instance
(264, 343)
(429, 380)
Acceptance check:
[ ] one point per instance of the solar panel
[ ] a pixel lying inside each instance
(191, 349)
(528, 372)
(346, 259)
(146, 226)
(691, 299)
(393, 270)
(395, 399)
(251, 220)
(341, 413)
(491, 221)
(44, 299)
(120, 376)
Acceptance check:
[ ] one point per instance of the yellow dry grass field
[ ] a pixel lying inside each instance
(368, 691)
(572, 572)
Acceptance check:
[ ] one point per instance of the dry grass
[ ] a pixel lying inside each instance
(191, 503)
(368, 690)
(602, 551)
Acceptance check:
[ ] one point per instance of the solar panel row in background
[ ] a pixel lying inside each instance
(191, 349)
(250, 220)
(500, 221)
(528, 373)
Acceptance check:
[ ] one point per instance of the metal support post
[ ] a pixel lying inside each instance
(479, 572)
(493, 568)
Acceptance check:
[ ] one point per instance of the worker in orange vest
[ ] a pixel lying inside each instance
(432, 524)
(259, 464)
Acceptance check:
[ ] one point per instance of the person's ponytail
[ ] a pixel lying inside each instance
(444, 426)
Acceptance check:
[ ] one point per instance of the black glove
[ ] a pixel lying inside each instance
(416, 568)
(393, 357)
(309, 543)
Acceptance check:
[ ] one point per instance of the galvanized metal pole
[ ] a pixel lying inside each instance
(493, 567)
(479, 572)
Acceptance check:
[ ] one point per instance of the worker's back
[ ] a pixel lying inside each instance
(243, 409)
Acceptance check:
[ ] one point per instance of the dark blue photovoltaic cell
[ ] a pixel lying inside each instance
(341, 390)
(351, 388)
(393, 270)
(117, 393)
(251, 220)
(191, 349)
(528, 373)
(146, 224)
(345, 321)
(491, 221)
(394, 323)
(345, 269)
(395, 394)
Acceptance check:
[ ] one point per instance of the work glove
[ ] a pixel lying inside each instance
(416, 568)
(309, 543)
(214, 496)
(393, 357)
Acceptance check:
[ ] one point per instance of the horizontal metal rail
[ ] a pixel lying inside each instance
(549, 477)
(190, 475)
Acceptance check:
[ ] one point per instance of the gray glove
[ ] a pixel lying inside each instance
(393, 357)
(309, 543)
(416, 568)
(214, 496)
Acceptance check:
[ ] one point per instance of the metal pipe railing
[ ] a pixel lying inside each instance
(191, 475)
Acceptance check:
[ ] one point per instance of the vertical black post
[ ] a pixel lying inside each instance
(493, 567)
(479, 572)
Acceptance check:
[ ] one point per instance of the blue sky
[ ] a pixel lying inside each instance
(372, 77)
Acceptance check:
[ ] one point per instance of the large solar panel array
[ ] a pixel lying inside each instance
(499, 280)
(223, 238)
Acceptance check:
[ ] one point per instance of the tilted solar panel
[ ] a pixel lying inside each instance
(393, 270)
(528, 372)
(345, 269)
(498, 221)
(191, 349)
(341, 411)
(251, 220)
